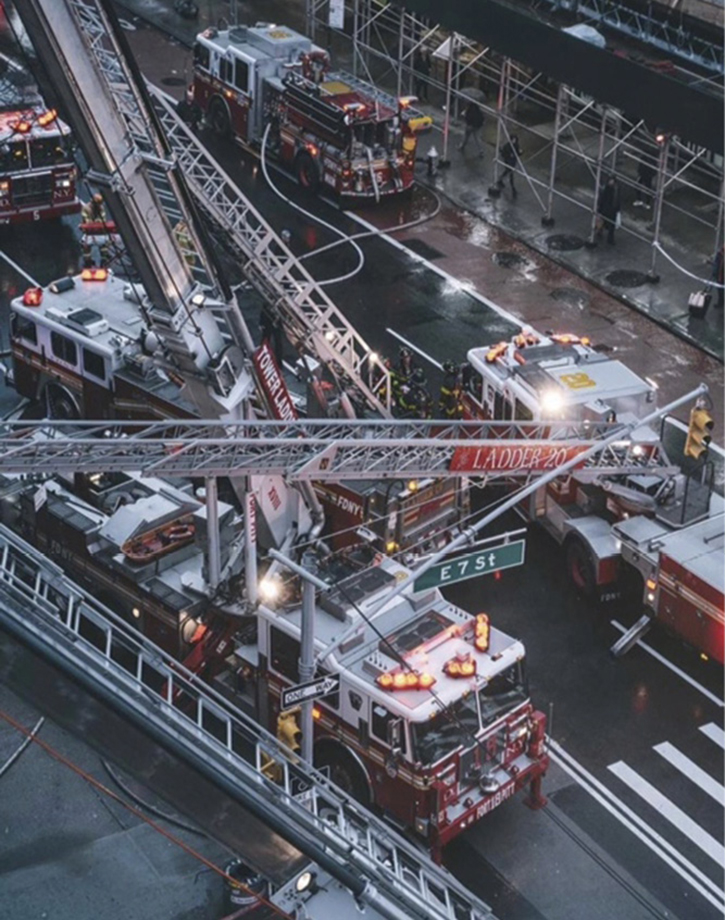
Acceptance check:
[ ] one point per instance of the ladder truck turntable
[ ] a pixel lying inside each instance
(616, 525)
(330, 129)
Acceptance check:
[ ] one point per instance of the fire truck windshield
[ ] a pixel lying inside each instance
(457, 726)
(14, 156)
(48, 151)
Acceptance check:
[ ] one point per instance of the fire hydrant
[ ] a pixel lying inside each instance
(432, 161)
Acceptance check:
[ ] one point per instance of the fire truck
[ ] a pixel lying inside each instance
(269, 84)
(613, 525)
(37, 172)
(431, 720)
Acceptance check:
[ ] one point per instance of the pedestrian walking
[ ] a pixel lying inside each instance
(422, 68)
(608, 209)
(645, 178)
(474, 122)
(510, 154)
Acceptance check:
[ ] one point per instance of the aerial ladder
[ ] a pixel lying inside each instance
(44, 609)
(142, 155)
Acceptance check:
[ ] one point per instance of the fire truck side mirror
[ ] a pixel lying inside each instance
(395, 735)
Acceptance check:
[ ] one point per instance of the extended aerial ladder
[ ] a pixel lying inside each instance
(144, 175)
(44, 609)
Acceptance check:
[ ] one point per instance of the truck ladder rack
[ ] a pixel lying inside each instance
(42, 607)
(312, 321)
(309, 450)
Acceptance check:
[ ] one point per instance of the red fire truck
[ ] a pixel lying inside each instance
(37, 173)
(431, 719)
(330, 129)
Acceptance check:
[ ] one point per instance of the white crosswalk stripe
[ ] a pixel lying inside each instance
(670, 811)
(691, 770)
(714, 733)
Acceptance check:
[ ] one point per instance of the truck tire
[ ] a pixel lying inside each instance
(580, 566)
(344, 771)
(218, 117)
(308, 175)
(60, 404)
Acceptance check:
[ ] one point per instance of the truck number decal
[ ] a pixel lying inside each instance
(578, 381)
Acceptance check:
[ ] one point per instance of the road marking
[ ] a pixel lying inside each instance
(456, 282)
(670, 811)
(673, 667)
(714, 733)
(691, 770)
(415, 348)
(632, 821)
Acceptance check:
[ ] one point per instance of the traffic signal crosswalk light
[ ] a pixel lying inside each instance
(698, 433)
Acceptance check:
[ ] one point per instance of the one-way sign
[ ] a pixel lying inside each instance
(312, 690)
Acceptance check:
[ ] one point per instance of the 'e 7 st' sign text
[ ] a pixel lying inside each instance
(492, 559)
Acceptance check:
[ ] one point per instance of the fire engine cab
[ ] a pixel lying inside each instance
(432, 719)
(269, 83)
(552, 376)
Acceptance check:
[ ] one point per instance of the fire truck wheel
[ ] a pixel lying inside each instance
(580, 566)
(308, 175)
(60, 404)
(219, 118)
(344, 771)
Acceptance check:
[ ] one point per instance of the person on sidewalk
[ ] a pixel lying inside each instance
(510, 154)
(607, 209)
(422, 67)
(645, 178)
(474, 122)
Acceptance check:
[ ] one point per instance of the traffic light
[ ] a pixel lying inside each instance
(698, 433)
(288, 730)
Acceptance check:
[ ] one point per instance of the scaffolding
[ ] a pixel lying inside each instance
(571, 143)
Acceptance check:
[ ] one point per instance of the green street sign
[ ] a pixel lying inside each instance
(491, 559)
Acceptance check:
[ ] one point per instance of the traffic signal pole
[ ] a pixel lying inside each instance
(470, 532)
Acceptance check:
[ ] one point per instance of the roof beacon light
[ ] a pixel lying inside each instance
(460, 666)
(482, 636)
(94, 274)
(47, 118)
(405, 680)
(33, 297)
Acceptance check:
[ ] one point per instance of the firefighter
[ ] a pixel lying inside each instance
(415, 400)
(406, 365)
(185, 243)
(93, 213)
(449, 401)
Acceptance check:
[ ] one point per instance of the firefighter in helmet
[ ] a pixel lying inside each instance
(185, 242)
(93, 226)
(449, 400)
(415, 401)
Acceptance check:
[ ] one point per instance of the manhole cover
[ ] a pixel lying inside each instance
(624, 278)
(423, 249)
(570, 296)
(508, 259)
(173, 81)
(564, 242)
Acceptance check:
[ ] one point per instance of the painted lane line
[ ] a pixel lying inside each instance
(415, 348)
(714, 733)
(683, 822)
(661, 658)
(691, 770)
(657, 844)
(455, 282)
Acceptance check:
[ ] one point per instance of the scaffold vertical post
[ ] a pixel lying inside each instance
(598, 176)
(548, 219)
(659, 201)
(449, 80)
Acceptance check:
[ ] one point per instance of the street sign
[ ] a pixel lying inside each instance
(312, 690)
(491, 559)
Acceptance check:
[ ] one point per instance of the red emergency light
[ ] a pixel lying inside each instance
(482, 633)
(21, 127)
(405, 680)
(33, 297)
(47, 118)
(459, 666)
(94, 274)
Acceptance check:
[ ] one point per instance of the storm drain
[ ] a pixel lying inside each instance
(564, 242)
(508, 259)
(624, 278)
(423, 249)
(571, 296)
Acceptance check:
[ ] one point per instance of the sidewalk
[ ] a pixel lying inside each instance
(620, 270)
